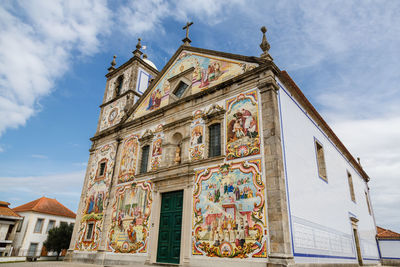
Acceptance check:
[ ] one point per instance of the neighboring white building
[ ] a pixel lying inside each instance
(389, 246)
(8, 226)
(39, 216)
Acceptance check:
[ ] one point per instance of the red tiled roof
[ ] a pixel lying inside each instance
(48, 206)
(6, 211)
(386, 234)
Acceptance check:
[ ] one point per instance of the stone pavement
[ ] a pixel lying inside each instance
(59, 264)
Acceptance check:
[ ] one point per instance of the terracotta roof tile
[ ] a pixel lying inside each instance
(386, 234)
(6, 211)
(48, 206)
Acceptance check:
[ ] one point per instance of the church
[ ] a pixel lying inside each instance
(218, 159)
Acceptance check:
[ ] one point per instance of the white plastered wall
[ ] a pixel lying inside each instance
(320, 211)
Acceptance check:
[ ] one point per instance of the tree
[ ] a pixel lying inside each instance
(59, 238)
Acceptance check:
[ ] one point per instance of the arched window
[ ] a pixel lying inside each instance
(118, 85)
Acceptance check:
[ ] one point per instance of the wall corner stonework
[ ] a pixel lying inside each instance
(280, 253)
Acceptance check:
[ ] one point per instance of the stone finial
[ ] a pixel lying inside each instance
(144, 56)
(186, 40)
(137, 51)
(265, 46)
(113, 63)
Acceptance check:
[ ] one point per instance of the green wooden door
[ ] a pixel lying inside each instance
(169, 235)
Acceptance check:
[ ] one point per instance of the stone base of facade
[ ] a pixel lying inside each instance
(391, 262)
(110, 259)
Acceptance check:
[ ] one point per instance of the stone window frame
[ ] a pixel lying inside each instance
(98, 176)
(175, 84)
(214, 116)
(20, 223)
(320, 160)
(41, 226)
(351, 187)
(86, 239)
(118, 84)
(146, 140)
(48, 224)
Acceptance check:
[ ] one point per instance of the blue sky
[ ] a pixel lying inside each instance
(53, 57)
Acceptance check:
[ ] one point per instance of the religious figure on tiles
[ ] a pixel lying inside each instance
(196, 149)
(229, 211)
(130, 218)
(242, 133)
(154, 100)
(157, 148)
(127, 167)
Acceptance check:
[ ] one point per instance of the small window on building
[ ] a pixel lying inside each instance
(215, 140)
(102, 169)
(118, 85)
(145, 158)
(89, 232)
(180, 89)
(321, 161)
(38, 226)
(352, 195)
(32, 249)
(368, 204)
(20, 224)
(50, 225)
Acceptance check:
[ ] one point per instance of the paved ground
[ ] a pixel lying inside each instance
(51, 264)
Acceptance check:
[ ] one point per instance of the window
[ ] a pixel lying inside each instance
(89, 232)
(145, 158)
(352, 195)
(215, 140)
(321, 161)
(118, 85)
(20, 224)
(101, 169)
(38, 226)
(32, 249)
(368, 204)
(180, 89)
(50, 225)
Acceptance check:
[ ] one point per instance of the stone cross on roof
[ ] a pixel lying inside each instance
(187, 40)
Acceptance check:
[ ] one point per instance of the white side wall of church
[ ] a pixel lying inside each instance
(390, 248)
(320, 210)
(26, 236)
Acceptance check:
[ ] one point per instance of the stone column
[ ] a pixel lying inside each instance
(280, 252)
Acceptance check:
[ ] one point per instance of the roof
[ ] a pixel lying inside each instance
(48, 206)
(386, 233)
(5, 211)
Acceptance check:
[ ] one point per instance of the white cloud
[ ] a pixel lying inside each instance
(38, 156)
(36, 48)
(65, 187)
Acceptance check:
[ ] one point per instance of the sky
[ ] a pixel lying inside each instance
(344, 55)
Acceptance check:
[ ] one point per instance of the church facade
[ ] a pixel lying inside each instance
(219, 158)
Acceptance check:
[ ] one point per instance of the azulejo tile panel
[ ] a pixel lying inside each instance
(100, 175)
(129, 232)
(128, 162)
(207, 71)
(242, 126)
(229, 219)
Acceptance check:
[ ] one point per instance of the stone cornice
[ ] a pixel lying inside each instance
(120, 96)
(126, 64)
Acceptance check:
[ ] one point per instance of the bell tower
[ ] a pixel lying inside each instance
(124, 86)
